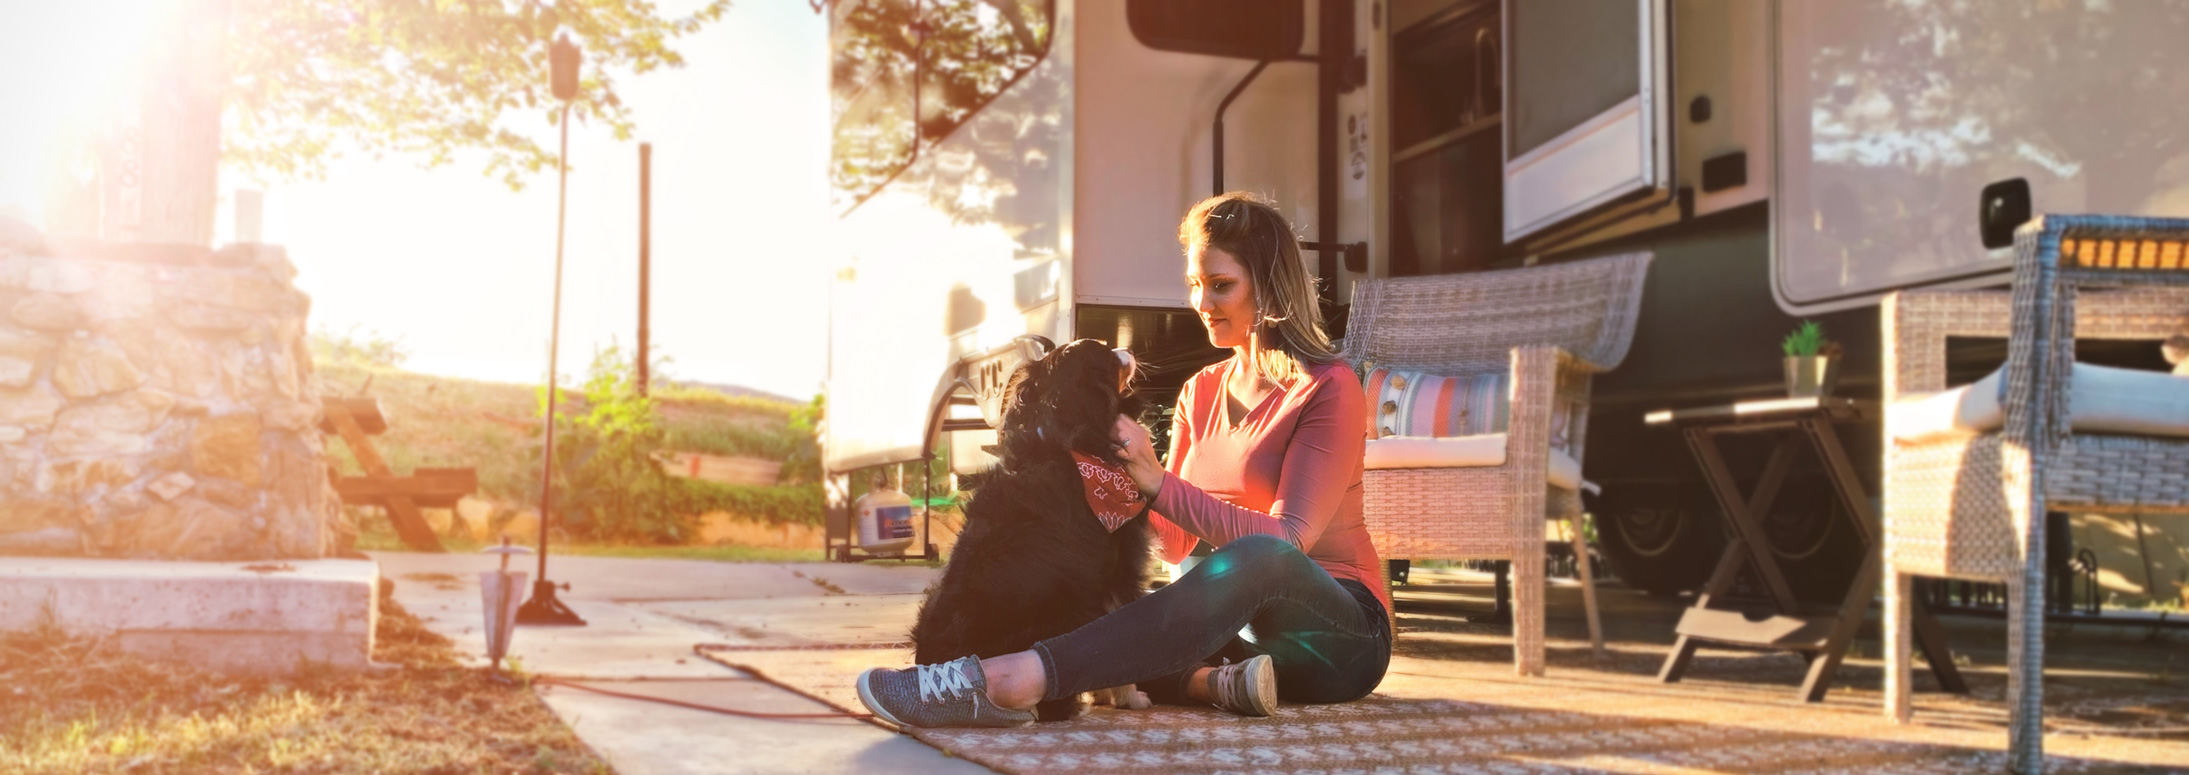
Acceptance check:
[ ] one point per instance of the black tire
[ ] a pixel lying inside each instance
(1661, 540)
(1814, 540)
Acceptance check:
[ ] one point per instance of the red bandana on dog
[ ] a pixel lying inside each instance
(1110, 491)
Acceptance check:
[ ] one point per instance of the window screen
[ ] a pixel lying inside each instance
(1586, 123)
(1571, 60)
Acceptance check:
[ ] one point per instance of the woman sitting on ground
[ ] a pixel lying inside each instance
(1265, 464)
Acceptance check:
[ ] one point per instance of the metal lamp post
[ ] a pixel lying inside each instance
(563, 58)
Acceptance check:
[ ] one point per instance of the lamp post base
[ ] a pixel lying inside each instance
(545, 609)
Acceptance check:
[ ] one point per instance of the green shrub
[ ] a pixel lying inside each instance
(796, 443)
(609, 488)
(800, 503)
(729, 437)
(605, 486)
(352, 348)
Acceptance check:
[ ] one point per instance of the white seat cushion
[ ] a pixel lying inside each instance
(1460, 452)
(2101, 399)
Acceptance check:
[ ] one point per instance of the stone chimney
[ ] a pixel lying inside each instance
(156, 402)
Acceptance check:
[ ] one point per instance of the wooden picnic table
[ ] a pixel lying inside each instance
(357, 420)
(1820, 634)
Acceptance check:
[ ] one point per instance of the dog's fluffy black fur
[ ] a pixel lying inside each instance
(1033, 561)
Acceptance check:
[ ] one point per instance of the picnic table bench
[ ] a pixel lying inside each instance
(357, 420)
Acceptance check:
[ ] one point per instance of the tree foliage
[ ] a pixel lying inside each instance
(311, 79)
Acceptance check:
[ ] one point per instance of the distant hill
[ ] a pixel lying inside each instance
(740, 391)
(452, 421)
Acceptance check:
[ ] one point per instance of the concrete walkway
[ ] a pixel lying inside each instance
(644, 617)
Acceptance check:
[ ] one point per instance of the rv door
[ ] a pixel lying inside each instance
(1586, 116)
(1913, 137)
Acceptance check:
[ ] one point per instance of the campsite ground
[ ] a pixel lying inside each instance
(671, 629)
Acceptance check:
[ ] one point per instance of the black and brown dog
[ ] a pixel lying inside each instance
(1035, 561)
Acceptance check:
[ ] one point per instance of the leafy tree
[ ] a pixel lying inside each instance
(428, 78)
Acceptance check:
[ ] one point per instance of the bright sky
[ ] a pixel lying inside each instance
(460, 270)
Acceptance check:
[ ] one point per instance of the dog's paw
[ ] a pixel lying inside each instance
(1127, 697)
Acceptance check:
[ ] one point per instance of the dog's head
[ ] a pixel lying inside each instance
(1067, 400)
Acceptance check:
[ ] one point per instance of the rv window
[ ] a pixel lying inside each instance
(1895, 118)
(974, 50)
(1246, 29)
(870, 95)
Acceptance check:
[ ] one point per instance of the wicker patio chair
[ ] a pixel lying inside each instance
(1969, 503)
(1549, 328)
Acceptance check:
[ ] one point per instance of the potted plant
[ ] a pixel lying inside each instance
(1812, 362)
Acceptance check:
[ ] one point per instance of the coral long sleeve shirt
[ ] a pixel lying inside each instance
(1290, 468)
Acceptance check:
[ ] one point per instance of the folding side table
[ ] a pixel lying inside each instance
(1819, 633)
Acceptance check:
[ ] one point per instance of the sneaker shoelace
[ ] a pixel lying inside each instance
(1229, 686)
(944, 679)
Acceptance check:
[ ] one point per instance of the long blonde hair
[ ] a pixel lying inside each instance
(1289, 316)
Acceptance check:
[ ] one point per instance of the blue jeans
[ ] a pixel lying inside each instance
(1329, 639)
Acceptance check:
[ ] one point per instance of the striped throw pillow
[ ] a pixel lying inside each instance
(1412, 403)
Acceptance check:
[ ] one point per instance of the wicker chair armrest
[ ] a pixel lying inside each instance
(2142, 313)
(1535, 379)
(1915, 327)
(1528, 434)
(1917, 323)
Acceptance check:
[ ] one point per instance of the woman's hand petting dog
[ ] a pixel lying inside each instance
(1139, 453)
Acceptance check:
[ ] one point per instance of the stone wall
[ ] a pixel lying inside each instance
(156, 402)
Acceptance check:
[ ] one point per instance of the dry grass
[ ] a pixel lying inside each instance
(69, 705)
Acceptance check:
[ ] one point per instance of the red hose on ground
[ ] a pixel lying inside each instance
(548, 681)
(756, 674)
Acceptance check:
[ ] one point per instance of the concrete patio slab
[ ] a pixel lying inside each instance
(644, 618)
(648, 738)
(265, 617)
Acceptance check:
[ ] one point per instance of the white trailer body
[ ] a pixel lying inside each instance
(1782, 158)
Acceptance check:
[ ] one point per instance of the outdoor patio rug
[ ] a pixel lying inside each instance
(1452, 705)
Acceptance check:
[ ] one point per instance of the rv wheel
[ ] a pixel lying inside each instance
(1809, 532)
(1663, 541)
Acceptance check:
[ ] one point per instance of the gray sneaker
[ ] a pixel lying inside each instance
(1248, 688)
(951, 694)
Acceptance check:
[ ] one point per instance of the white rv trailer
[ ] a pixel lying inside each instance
(1014, 168)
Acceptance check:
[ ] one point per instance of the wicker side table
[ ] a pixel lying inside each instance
(1820, 633)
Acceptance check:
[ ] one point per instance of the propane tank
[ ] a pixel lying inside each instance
(884, 517)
